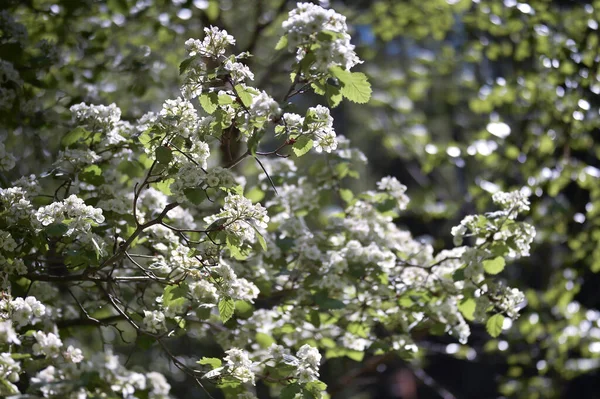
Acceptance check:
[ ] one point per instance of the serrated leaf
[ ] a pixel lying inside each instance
(290, 391)
(494, 266)
(185, 64)
(224, 99)
(354, 85)
(346, 195)
(163, 154)
(175, 293)
(302, 145)
(165, 186)
(494, 325)
(316, 387)
(226, 308)
(281, 43)
(244, 95)
(195, 195)
(333, 95)
(73, 136)
(209, 102)
(210, 361)
(56, 229)
(319, 87)
(467, 308)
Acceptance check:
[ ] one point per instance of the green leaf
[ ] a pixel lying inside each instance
(175, 294)
(302, 145)
(244, 95)
(333, 95)
(210, 361)
(494, 266)
(209, 102)
(315, 318)
(316, 387)
(355, 86)
(185, 64)
(346, 195)
(458, 275)
(92, 174)
(254, 140)
(74, 136)
(195, 195)
(163, 154)
(225, 99)
(282, 43)
(467, 308)
(325, 303)
(56, 229)
(494, 325)
(264, 340)
(165, 186)
(261, 241)
(226, 309)
(290, 391)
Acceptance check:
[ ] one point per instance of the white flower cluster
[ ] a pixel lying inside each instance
(8, 334)
(303, 27)
(320, 127)
(16, 201)
(72, 157)
(395, 189)
(204, 292)
(47, 344)
(154, 321)
(191, 175)
(306, 361)
(512, 301)
(239, 72)
(473, 223)
(238, 365)
(7, 242)
(73, 355)
(513, 202)
(234, 287)
(9, 368)
(205, 55)
(213, 45)
(22, 311)
(308, 370)
(79, 215)
(263, 106)
(180, 115)
(96, 116)
(240, 217)
(200, 152)
(220, 177)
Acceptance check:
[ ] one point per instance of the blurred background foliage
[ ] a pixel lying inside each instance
(470, 97)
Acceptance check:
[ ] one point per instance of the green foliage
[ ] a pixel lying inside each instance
(226, 309)
(494, 325)
(354, 85)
